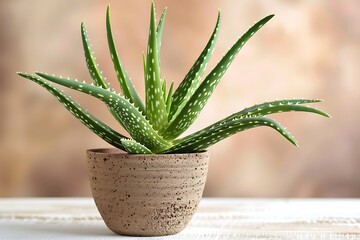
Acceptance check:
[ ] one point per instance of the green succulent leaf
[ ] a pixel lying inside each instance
(126, 86)
(91, 122)
(95, 73)
(155, 126)
(144, 65)
(205, 138)
(163, 89)
(196, 103)
(93, 68)
(192, 80)
(292, 105)
(131, 118)
(168, 100)
(155, 105)
(159, 29)
(251, 113)
(134, 147)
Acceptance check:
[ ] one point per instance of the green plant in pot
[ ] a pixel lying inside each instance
(151, 183)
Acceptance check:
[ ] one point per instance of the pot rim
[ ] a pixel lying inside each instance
(117, 151)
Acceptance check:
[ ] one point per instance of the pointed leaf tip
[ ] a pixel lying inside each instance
(107, 12)
(131, 119)
(126, 85)
(190, 110)
(152, 5)
(155, 105)
(192, 79)
(40, 74)
(91, 122)
(268, 17)
(328, 115)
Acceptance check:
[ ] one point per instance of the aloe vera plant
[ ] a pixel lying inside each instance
(154, 127)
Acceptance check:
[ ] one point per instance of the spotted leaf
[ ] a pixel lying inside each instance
(197, 101)
(159, 30)
(267, 108)
(192, 79)
(134, 147)
(155, 105)
(256, 111)
(126, 86)
(205, 138)
(155, 126)
(93, 68)
(95, 73)
(91, 122)
(131, 118)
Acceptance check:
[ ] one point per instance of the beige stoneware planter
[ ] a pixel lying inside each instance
(146, 195)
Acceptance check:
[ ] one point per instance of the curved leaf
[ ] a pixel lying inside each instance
(93, 68)
(126, 86)
(268, 108)
(205, 138)
(91, 122)
(196, 103)
(292, 105)
(131, 118)
(247, 115)
(191, 81)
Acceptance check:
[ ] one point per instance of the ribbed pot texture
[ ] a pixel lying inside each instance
(146, 195)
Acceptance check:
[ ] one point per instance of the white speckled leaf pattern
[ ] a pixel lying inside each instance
(279, 106)
(133, 147)
(268, 108)
(166, 115)
(196, 103)
(94, 124)
(159, 30)
(214, 133)
(255, 111)
(155, 104)
(93, 68)
(191, 81)
(125, 83)
(133, 121)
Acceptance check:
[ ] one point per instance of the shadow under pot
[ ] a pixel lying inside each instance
(146, 195)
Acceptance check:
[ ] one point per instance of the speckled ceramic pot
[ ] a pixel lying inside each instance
(146, 195)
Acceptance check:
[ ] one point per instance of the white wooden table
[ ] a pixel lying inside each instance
(270, 219)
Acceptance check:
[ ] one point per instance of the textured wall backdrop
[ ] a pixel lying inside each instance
(310, 49)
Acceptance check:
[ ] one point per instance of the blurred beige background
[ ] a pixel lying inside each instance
(310, 49)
